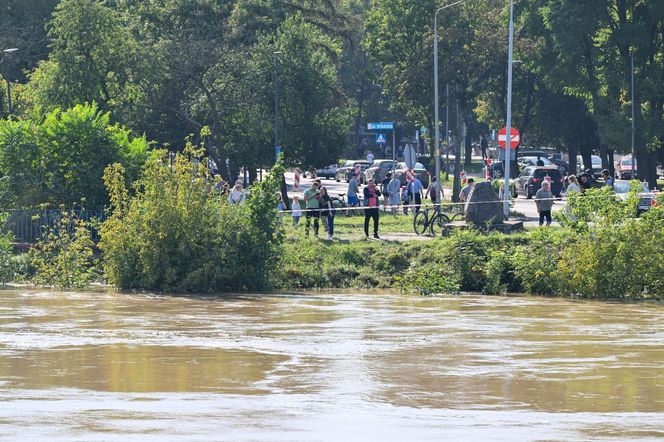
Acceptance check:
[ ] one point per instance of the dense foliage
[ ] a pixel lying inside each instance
(60, 159)
(65, 257)
(168, 69)
(175, 233)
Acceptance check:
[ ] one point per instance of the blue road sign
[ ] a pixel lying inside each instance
(380, 139)
(380, 126)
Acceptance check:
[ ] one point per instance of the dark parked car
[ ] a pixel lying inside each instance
(526, 161)
(531, 178)
(377, 170)
(344, 173)
(327, 172)
(420, 172)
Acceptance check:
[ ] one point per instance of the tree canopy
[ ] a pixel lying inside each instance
(167, 69)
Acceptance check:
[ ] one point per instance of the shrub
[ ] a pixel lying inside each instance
(176, 234)
(7, 265)
(65, 256)
(535, 263)
(429, 279)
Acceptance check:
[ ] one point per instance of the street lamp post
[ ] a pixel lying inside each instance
(6, 54)
(508, 125)
(277, 147)
(634, 168)
(435, 89)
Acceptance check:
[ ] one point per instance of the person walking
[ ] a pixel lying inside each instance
(484, 144)
(544, 203)
(383, 188)
(371, 195)
(327, 212)
(297, 211)
(415, 189)
(237, 196)
(370, 157)
(434, 191)
(394, 190)
(351, 193)
(313, 208)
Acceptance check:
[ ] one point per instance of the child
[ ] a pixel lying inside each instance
(405, 198)
(297, 211)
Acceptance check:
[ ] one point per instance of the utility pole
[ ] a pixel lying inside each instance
(277, 122)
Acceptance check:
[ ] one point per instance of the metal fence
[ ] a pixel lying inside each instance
(29, 225)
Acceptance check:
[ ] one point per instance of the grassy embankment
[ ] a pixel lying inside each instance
(612, 256)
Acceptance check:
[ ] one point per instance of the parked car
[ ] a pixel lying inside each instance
(531, 178)
(377, 170)
(532, 153)
(532, 161)
(596, 166)
(348, 169)
(625, 168)
(420, 172)
(327, 172)
(646, 200)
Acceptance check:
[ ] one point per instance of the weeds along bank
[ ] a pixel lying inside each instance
(546, 262)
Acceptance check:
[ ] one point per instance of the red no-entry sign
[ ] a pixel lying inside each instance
(515, 138)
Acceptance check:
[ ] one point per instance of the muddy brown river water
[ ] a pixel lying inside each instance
(107, 366)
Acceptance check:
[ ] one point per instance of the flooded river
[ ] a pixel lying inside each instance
(108, 366)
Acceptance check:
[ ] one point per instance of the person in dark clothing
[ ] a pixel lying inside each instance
(371, 195)
(484, 144)
(383, 189)
(584, 182)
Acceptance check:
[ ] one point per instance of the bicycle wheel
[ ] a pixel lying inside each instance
(337, 203)
(457, 217)
(421, 222)
(438, 223)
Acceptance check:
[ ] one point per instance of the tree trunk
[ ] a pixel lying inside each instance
(284, 193)
(469, 148)
(571, 156)
(612, 168)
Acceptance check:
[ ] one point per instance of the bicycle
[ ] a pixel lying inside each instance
(434, 223)
(453, 211)
(339, 203)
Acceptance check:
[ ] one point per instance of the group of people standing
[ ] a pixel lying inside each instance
(318, 204)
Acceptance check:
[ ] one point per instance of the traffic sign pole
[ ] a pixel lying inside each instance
(508, 126)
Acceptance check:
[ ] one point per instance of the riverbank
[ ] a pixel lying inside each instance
(557, 262)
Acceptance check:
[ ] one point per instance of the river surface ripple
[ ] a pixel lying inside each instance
(108, 366)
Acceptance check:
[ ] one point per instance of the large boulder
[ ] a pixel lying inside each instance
(483, 206)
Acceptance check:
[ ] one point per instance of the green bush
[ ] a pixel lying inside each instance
(65, 256)
(7, 264)
(176, 234)
(429, 279)
(60, 159)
